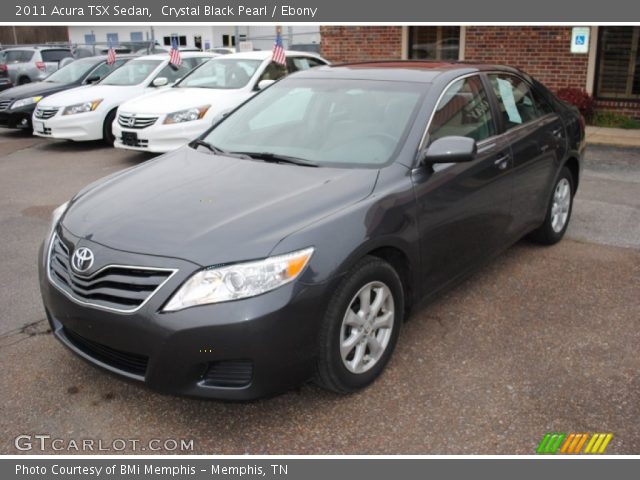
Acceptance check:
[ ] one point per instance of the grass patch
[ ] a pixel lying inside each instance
(614, 120)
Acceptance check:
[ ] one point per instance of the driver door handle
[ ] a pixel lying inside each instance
(502, 161)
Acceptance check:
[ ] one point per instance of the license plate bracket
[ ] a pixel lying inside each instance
(130, 139)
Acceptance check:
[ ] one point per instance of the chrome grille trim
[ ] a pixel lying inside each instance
(70, 292)
(124, 120)
(4, 104)
(45, 113)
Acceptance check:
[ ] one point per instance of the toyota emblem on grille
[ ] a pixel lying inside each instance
(132, 121)
(82, 259)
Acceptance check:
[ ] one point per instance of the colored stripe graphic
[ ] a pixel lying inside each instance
(572, 443)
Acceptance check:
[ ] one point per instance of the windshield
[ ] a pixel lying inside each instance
(221, 73)
(131, 73)
(350, 123)
(72, 72)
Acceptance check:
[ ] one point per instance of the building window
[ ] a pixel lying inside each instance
(618, 73)
(228, 40)
(434, 43)
(137, 37)
(182, 40)
(89, 39)
(112, 38)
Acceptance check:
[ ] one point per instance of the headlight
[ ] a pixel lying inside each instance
(242, 280)
(57, 214)
(188, 115)
(23, 102)
(81, 107)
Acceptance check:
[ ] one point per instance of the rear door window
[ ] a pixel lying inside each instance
(17, 56)
(518, 102)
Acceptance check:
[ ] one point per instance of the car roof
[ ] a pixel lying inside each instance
(265, 54)
(164, 56)
(38, 47)
(99, 58)
(422, 71)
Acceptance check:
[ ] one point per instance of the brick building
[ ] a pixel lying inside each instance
(607, 66)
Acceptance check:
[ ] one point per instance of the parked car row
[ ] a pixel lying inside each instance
(143, 102)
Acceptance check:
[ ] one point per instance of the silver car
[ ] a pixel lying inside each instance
(32, 64)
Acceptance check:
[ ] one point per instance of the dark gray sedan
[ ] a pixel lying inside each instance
(290, 241)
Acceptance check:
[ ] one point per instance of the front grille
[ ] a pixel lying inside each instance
(115, 287)
(127, 362)
(131, 121)
(229, 374)
(4, 104)
(45, 113)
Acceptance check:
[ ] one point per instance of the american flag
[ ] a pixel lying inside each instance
(278, 54)
(111, 55)
(174, 54)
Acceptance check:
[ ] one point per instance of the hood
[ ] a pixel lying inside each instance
(210, 209)
(87, 93)
(174, 99)
(33, 90)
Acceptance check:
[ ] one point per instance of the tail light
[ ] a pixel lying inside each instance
(3, 67)
(40, 66)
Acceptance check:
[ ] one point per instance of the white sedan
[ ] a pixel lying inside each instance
(87, 113)
(166, 120)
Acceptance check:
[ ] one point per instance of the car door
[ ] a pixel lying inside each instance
(538, 143)
(463, 209)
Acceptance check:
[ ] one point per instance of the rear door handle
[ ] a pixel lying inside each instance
(557, 132)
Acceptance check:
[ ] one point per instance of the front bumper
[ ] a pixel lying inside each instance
(17, 118)
(79, 127)
(161, 138)
(274, 335)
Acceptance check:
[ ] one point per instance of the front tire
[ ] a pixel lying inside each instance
(361, 327)
(107, 129)
(559, 211)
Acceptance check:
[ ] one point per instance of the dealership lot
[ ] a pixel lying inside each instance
(542, 339)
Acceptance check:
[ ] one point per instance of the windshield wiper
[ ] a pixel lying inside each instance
(276, 158)
(198, 142)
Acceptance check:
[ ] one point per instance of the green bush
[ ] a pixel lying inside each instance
(614, 120)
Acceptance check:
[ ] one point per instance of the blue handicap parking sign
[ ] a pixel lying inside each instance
(580, 39)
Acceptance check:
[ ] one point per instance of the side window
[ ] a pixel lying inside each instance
(518, 103)
(173, 73)
(464, 110)
(54, 55)
(103, 69)
(302, 63)
(274, 71)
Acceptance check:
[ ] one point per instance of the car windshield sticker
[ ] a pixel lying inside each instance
(509, 102)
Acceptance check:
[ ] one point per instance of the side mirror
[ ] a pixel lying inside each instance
(451, 149)
(93, 79)
(160, 82)
(262, 84)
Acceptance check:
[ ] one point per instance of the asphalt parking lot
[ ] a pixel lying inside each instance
(542, 339)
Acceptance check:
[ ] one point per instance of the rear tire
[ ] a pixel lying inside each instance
(361, 327)
(24, 80)
(107, 129)
(559, 211)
